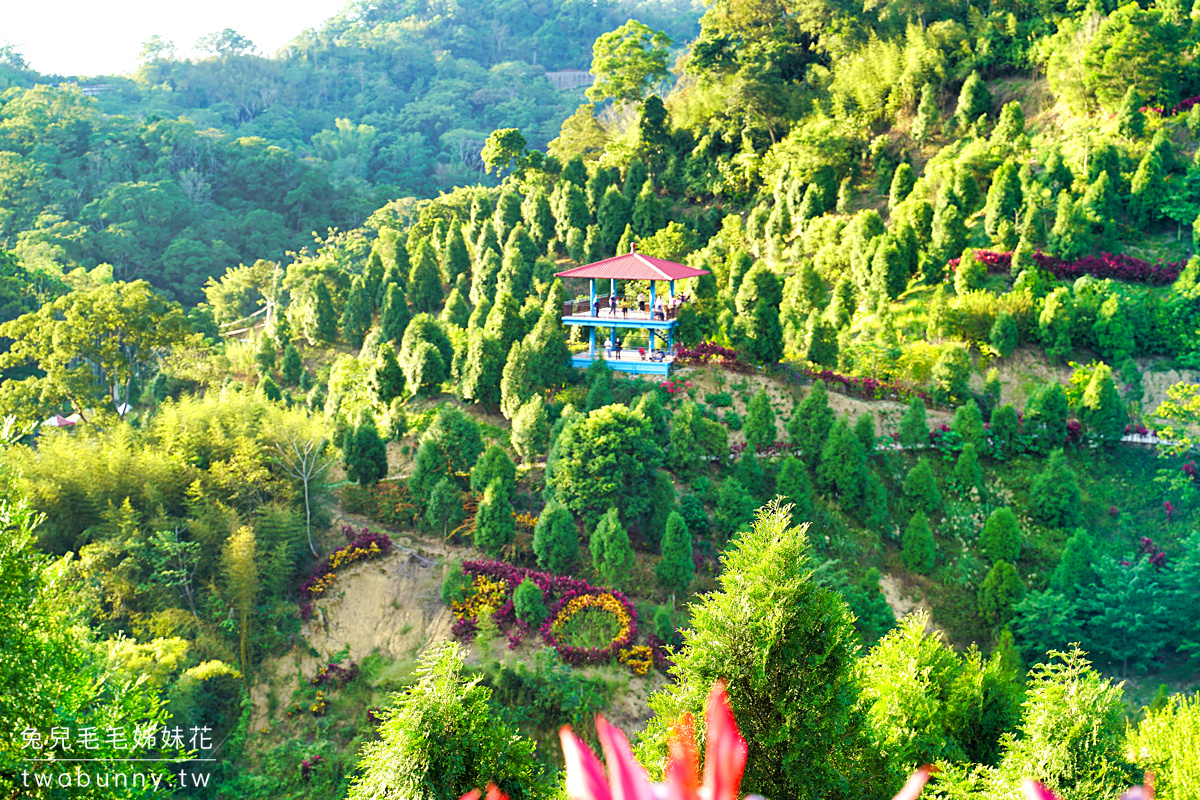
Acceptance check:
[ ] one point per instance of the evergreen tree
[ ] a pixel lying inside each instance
(515, 280)
(650, 406)
(291, 368)
(759, 427)
(1054, 494)
(949, 235)
(1099, 201)
(927, 114)
(364, 452)
(1101, 410)
(765, 611)
(270, 389)
(281, 330)
(810, 425)
(556, 540)
(674, 571)
(356, 315)
(903, 181)
(794, 486)
(740, 263)
(538, 218)
(970, 273)
(483, 281)
(1076, 568)
(1001, 537)
(750, 474)
(495, 527)
(916, 545)
(874, 509)
(1148, 191)
(593, 246)
(1003, 198)
(529, 604)
(966, 190)
(1055, 322)
(968, 423)
(967, 472)
(614, 213)
(914, 428)
(1001, 590)
(1114, 331)
(264, 356)
(1004, 335)
(1131, 121)
(395, 315)
(974, 100)
(843, 467)
(388, 377)
(1004, 429)
(889, 270)
(456, 312)
(425, 354)
(821, 342)
(812, 206)
(693, 439)
(648, 216)
(735, 509)
(920, 489)
(1071, 235)
(494, 465)
(530, 430)
(612, 554)
(504, 321)
(1010, 126)
(445, 509)
(600, 394)
(507, 215)
(424, 281)
(1046, 417)
(455, 259)
(482, 366)
(572, 211)
(864, 431)
(325, 318)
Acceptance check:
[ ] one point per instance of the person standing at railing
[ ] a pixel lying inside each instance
(642, 302)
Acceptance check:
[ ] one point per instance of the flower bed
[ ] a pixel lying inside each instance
(706, 352)
(1105, 265)
(364, 544)
(494, 583)
(862, 387)
(1180, 107)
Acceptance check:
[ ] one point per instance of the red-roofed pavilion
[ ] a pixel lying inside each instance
(654, 317)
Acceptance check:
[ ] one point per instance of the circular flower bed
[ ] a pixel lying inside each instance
(578, 620)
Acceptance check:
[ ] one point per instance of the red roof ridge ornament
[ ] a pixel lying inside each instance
(633, 247)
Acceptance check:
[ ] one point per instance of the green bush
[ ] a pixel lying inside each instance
(1054, 494)
(920, 489)
(916, 544)
(1001, 537)
(1001, 590)
(612, 554)
(556, 539)
(495, 527)
(674, 570)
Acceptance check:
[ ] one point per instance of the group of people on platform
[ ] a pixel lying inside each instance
(659, 310)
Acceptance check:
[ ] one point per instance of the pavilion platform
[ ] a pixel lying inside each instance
(628, 361)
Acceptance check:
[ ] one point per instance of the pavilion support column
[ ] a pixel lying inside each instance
(653, 284)
(612, 290)
(592, 344)
(592, 304)
(670, 338)
(672, 290)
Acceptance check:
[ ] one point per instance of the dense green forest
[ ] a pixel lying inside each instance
(921, 486)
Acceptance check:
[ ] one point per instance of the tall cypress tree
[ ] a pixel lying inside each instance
(365, 453)
(325, 318)
(424, 281)
(495, 527)
(674, 571)
(809, 426)
(612, 554)
(556, 540)
(455, 259)
(356, 315)
(395, 315)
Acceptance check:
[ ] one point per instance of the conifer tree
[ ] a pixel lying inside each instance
(927, 114)
(843, 467)
(495, 527)
(970, 273)
(1148, 191)
(967, 472)
(734, 511)
(1001, 590)
(635, 178)
(1076, 568)
(395, 315)
(529, 603)
(889, 270)
(1004, 197)
(626, 242)
(1004, 334)
(593, 246)
(572, 211)
(810, 425)
(494, 464)
(1071, 235)
(1046, 417)
(914, 429)
(445, 510)
(1010, 125)
(365, 453)
(920, 489)
(504, 321)
(949, 234)
(538, 218)
(864, 431)
(424, 280)
(794, 486)
(1001, 537)
(1100, 202)
(291, 368)
(482, 369)
(425, 354)
(515, 279)
(556, 540)
(740, 263)
(903, 181)
(764, 332)
(1114, 331)
(1101, 411)
(647, 215)
(325, 318)
(821, 342)
(356, 315)
(674, 571)
(483, 281)
(1131, 121)
(974, 100)
(264, 356)
(455, 259)
(270, 389)
(1004, 429)
(530, 429)
(614, 213)
(612, 554)
(750, 474)
(1054, 494)
(507, 215)
(389, 378)
(916, 544)
(759, 427)
(968, 423)
(456, 311)
(1055, 322)
(874, 508)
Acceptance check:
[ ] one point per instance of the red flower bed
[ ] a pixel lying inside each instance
(321, 574)
(1105, 265)
(864, 387)
(705, 352)
(1180, 107)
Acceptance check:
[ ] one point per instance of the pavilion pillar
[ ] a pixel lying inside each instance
(652, 285)
(592, 303)
(612, 290)
(592, 343)
(672, 290)
(670, 338)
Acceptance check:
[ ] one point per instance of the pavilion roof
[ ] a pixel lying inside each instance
(633, 266)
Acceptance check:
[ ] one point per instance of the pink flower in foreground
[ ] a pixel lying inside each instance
(1033, 790)
(493, 793)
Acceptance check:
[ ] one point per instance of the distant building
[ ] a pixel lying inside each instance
(570, 79)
